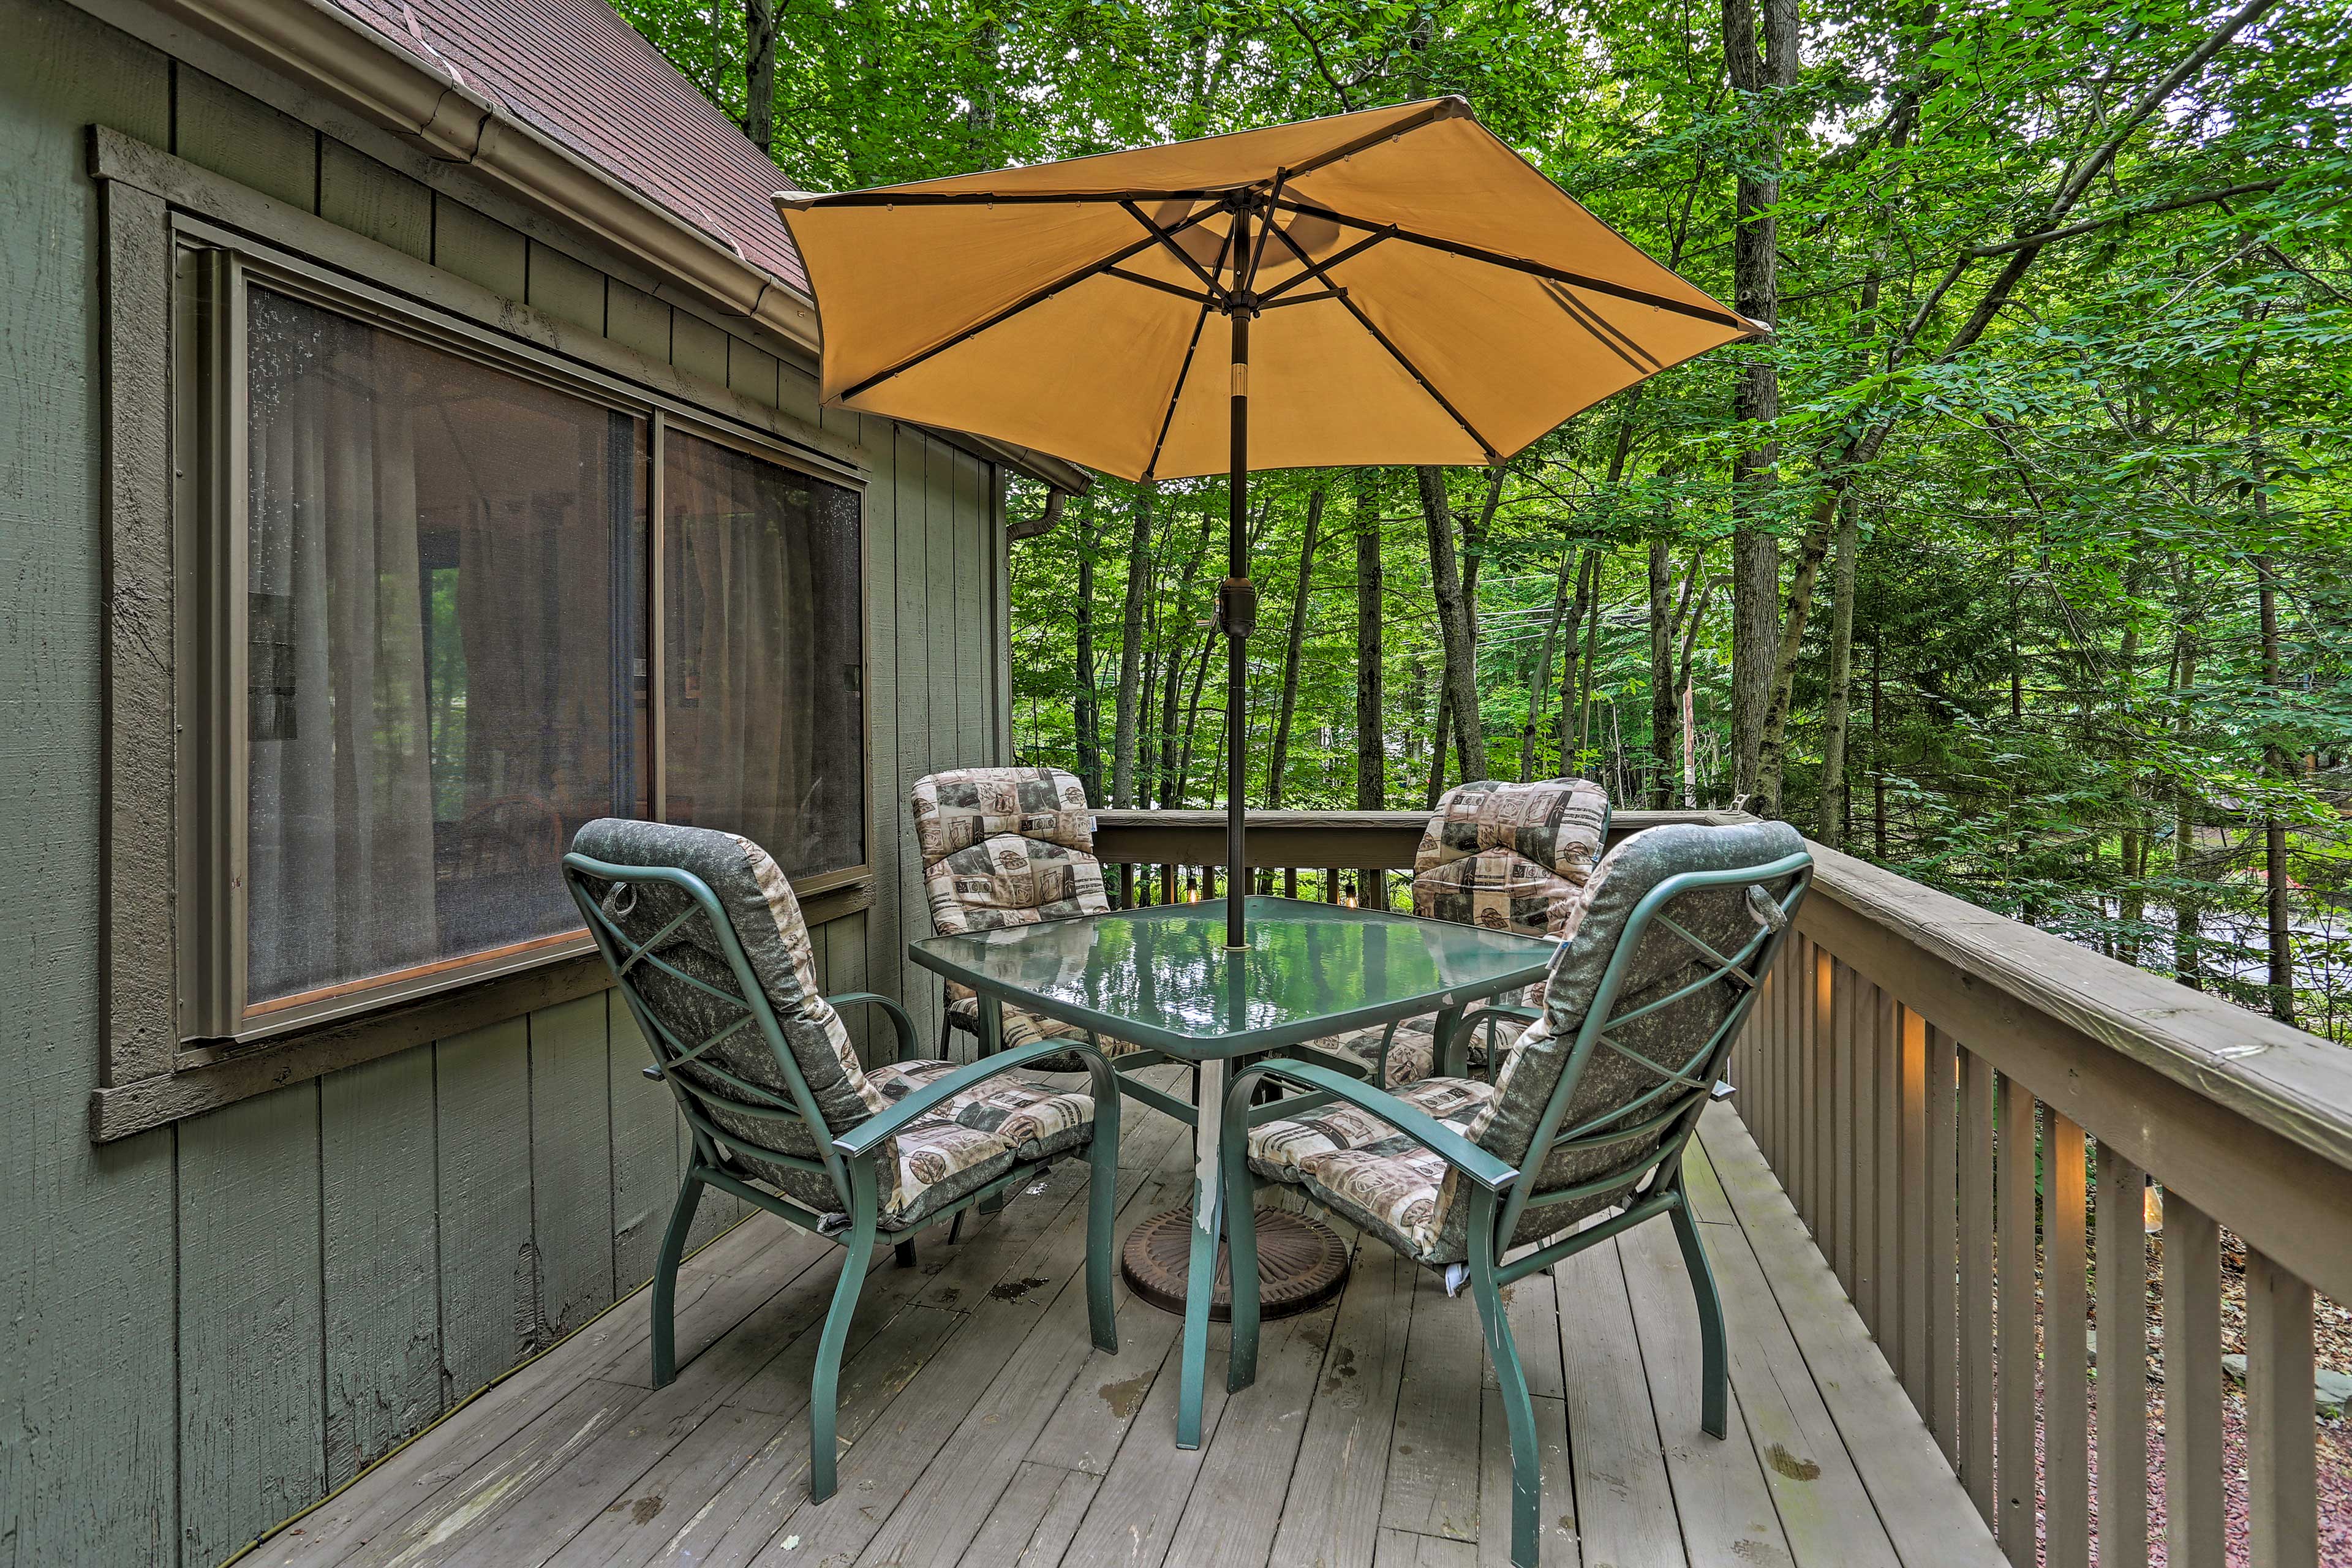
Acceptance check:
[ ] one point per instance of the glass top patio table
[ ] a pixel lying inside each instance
(1162, 977)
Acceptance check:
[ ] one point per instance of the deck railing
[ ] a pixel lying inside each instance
(1968, 1114)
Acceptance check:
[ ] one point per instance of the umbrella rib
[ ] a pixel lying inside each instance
(1349, 254)
(1395, 352)
(1184, 371)
(1512, 263)
(1167, 237)
(1123, 275)
(1609, 338)
(1035, 297)
(1442, 109)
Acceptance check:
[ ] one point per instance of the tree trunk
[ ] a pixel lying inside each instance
(1541, 680)
(1172, 638)
(1087, 707)
(1587, 573)
(1591, 662)
(1174, 800)
(759, 73)
(1130, 653)
(2186, 967)
(1834, 721)
(1877, 740)
(1454, 624)
(1760, 79)
(1662, 676)
(2274, 757)
(1371, 740)
(1280, 754)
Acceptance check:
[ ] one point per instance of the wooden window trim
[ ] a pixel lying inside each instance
(150, 203)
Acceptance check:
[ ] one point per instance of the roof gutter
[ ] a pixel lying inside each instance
(341, 58)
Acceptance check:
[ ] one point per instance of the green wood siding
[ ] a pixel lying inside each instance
(206, 1327)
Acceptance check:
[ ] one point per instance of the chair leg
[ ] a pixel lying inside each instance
(905, 1254)
(1102, 1210)
(665, 1302)
(955, 1226)
(1240, 1254)
(1518, 1410)
(1715, 1374)
(825, 1390)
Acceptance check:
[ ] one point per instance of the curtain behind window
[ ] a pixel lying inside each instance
(765, 714)
(444, 641)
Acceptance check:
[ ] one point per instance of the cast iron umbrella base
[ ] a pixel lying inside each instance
(1301, 1263)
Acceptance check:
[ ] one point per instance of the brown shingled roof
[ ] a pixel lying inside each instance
(574, 72)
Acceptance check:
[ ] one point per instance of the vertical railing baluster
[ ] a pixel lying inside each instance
(1941, 1231)
(1910, 1239)
(2014, 1227)
(2065, 1376)
(2123, 1362)
(2282, 1471)
(1883, 1187)
(1979, 1085)
(2192, 1383)
(1849, 1133)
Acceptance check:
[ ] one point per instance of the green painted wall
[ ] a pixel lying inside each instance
(206, 1327)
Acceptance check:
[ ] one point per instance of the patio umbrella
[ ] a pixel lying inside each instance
(1395, 286)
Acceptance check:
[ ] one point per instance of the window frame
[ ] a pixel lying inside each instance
(175, 239)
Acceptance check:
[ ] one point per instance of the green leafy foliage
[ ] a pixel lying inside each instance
(2061, 707)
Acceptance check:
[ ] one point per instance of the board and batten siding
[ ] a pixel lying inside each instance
(206, 1327)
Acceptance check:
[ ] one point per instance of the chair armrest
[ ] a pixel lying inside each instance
(868, 1134)
(898, 1020)
(1431, 1134)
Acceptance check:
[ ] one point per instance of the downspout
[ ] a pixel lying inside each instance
(1056, 497)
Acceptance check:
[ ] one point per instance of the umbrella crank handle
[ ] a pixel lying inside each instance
(1237, 606)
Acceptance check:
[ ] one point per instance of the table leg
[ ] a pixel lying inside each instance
(1208, 1225)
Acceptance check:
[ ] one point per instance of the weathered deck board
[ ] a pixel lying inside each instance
(981, 1428)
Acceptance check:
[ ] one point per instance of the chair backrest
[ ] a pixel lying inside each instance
(1662, 961)
(1510, 856)
(706, 939)
(1005, 847)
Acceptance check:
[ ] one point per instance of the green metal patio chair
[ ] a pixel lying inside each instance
(1591, 1110)
(705, 937)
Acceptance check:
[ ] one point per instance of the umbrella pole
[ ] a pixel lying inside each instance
(1236, 611)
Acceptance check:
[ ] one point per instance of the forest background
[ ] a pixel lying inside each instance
(2019, 561)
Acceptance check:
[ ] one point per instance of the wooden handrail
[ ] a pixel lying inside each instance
(1351, 840)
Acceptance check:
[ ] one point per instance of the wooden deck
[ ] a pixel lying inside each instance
(984, 1429)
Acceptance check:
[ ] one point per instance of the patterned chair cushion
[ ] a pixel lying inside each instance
(1007, 880)
(962, 807)
(1024, 1028)
(963, 1144)
(1364, 1168)
(1509, 856)
(1412, 1053)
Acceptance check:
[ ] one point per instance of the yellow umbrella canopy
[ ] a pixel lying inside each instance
(1392, 287)
(1421, 295)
